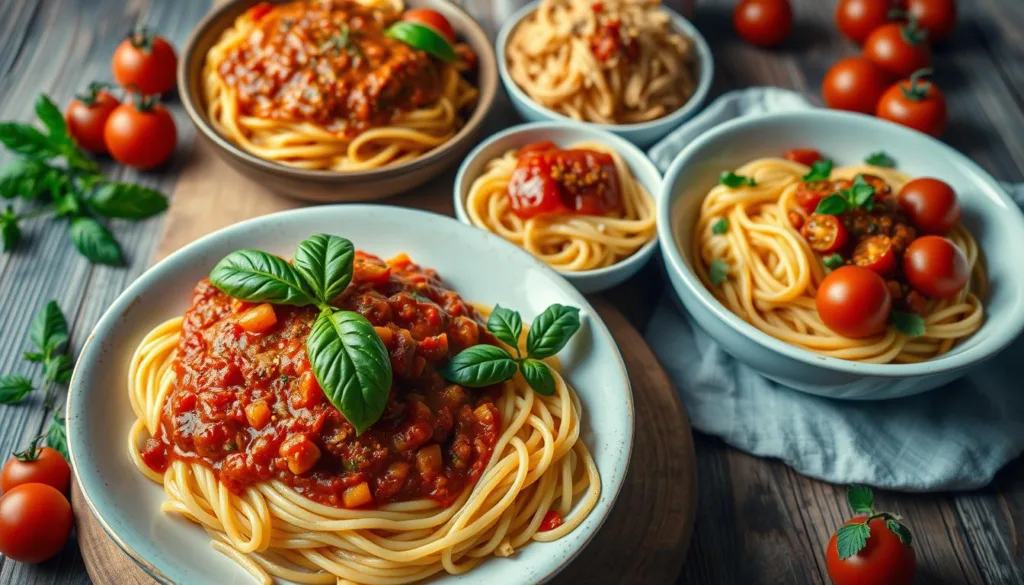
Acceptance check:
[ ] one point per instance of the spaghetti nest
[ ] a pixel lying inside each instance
(569, 242)
(773, 274)
(319, 86)
(539, 465)
(610, 62)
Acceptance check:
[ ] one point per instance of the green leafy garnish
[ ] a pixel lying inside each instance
(423, 38)
(880, 159)
(551, 330)
(14, 389)
(821, 169)
(910, 324)
(479, 366)
(57, 434)
(720, 226)
(718, 272)
(852, 537)
(832, 205)
(506, 325)
(732, 180)
(861, 194)
(259, 277)
(833, 261)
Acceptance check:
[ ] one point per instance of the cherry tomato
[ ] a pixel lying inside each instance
(145, 63)
(825, 233)
(856, 19)
(260, 10)
(853, 84)
(433, 19)
(809, 194)
(916, 104)
(804, 156)
(898, 49)
(35, 523)
(48, 467)
(876, 254)
(140, 135)
(884, 560)
(763, 22)
(931, 205)
(854, 302)
(938, 17)
(936, 267)
(87, 114)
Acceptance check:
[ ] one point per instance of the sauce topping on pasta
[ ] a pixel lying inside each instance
(548, 179)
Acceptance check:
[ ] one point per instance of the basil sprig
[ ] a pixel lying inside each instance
(347, 356)
(860, 194)
(485, 365)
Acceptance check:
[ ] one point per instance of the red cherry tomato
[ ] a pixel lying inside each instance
(48, 467)
(938, 17)
(884, 560)
(931, 205)
(876, 254)
(804, 156)
(856, 19)
(141, 136)
(146, 63)
(898, 49)
(854, 302)
(825, 233)
(87, 115)
(260, 10)
(433, 19)
(936, 267)
(763, 22)
(916, 104)
(853, 84)
(809, 194)
(35, 523)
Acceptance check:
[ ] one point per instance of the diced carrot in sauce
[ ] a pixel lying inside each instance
(385, 334)
(258, 414)
(258, 319)
(357, 495)
(300, 453)
(308, 393)
(400, 261)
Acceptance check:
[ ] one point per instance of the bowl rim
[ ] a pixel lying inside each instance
(705, 76)
(988, 346)
(190, 58)
(119, 307)
(629, 151)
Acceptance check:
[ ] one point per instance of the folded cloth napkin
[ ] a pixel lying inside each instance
(956, 437)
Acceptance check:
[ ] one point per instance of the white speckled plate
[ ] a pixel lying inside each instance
(482, 267)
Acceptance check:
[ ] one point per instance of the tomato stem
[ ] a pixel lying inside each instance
(91, 94)
(142, 39)
(145, 103)
(32, 453)
(918, 89)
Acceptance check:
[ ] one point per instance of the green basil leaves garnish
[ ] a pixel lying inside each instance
(259, 277)
(880, 159)
(538, 376)
(506, 325)
(479, 366)
(326, 263)
(860, 194)
(834, 204)
(732, 180)
(718, 272)
(720, 226)
(551, 331)
(820, 170)
(910, 324)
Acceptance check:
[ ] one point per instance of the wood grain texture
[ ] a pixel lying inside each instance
(759, 523)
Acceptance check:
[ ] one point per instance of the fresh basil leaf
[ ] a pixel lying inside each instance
(861, 499)
(506, 325)
(833, 261)
(351, 364)
(14, 389)
(732, 180)
(538, 376)
(720, 226)
(24, 177)
(49, 330)
(479, 366)
(10, 231)
(832, 205)
(718, 272)
(900, 530)
(910, 324)
(326, 264)
(51, 117)
(33, 356)
(27, 141)
(57, 434)
(126, 201)
(861, 194)
(820, 170)
(58, 368)
(880, 159)
(95, 242)
(259, 277)
(66, 204)
(551, 330)
(851, 539)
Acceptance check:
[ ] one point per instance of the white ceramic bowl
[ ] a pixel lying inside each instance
(990, 215)
(642, 134)
(481, 266)
(588, 281)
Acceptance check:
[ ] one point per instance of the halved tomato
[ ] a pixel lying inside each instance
(875, 253)
(825, 233)
(810, 194)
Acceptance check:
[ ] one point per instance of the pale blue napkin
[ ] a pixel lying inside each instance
(956, 437)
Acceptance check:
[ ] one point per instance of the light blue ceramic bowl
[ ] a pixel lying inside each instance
(988, 212)
(643, 134)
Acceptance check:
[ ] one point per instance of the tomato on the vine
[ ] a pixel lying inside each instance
(854, 301)
(938, 17)
(898, 49)
(146, 63)
(36, 465)
(931, 205)
(874, 547)
(141, 134)
(87, 115)
(853, 84)
(35, 522)
(857, 19)
(763, 22)
(916, 104)
(936, 267)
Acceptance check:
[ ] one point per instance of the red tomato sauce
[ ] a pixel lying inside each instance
(548, 179)
(248, 406)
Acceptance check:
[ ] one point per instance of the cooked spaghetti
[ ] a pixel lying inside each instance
(237, 430)
(575, 209)
(318, 85)
(609, 61)
(765, 250)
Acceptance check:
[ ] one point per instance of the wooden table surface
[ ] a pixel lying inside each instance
(759, 522)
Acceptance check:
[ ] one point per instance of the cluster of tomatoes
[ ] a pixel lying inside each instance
(139, 132)
(35, 516)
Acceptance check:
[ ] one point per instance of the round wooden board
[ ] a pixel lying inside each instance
(644, 540)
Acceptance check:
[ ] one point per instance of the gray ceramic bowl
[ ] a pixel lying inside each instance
(336, 186)
(988, 212)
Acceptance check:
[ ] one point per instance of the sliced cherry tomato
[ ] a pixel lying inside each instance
(856, 19)
(938, 17)
(140, 135)
(931, 205)
(898, 49)
(876, 254)
(884, 559)
(936, 267)
(916, 104)
(854, 84)
(87, 115)
(35, 523)
(825, 233)
(46, 465)
(809, 194)
(433, 19)
(804, 156)
(146, 63)
(763, 22)
(854, 302)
